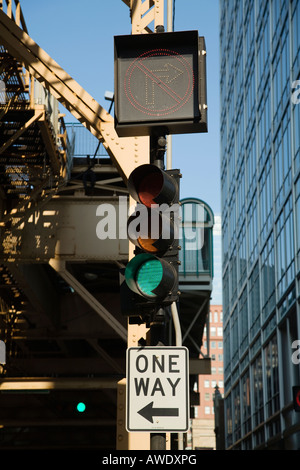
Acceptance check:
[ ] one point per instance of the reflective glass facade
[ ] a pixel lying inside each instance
(260, 181)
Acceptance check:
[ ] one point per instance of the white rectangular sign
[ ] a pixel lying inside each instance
(157, 389)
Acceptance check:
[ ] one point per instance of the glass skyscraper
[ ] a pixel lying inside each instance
(260, 180)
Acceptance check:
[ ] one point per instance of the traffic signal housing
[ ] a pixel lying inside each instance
(152, 274)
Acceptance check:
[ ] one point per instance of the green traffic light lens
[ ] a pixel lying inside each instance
(149, 277)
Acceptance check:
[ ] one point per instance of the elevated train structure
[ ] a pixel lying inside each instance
(60, 315)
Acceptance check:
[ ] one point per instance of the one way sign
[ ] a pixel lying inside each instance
(157, 389)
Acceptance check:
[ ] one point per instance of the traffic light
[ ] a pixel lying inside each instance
(296, 397)
(152, 274)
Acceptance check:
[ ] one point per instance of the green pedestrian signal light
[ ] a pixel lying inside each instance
(81, 407)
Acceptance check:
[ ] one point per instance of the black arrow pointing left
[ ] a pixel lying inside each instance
(148, 412)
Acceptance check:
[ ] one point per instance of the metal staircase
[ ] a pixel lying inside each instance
(33, 145)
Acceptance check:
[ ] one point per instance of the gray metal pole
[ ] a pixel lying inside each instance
(169, 137)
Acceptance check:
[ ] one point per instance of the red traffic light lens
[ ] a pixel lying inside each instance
(149, 188)
(150, 185)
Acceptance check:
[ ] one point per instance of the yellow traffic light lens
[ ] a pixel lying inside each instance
(149, 277)
(147, 245)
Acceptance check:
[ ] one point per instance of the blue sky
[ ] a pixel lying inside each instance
(79, 36)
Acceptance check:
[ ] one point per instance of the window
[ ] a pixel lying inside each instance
(216, 317)
(220, 343)
(264, 127)
(281, 67)
(228, 420)
(207, 410)
(243, 314)
(195, 239)
(246, 403)
(241, 197)
(239, 73)
(234, 337)
(296, 114)
(232, 220)
(250, 98)
(297, 188)
(236, 412)
(279, 10)
(225, 240)
(227, 362)
(239, 19)
(251, 167)
(220, 331)
(242, 256)
(282, 161)
(254, 296)
(272, 378)
(252, 231)
(240, 131)
(296, 37)
(258, 391)
(285, 251)
(268, 278)
(263, 51)
(206, 383)
(266, 200)
(233, 274)
(249, 31)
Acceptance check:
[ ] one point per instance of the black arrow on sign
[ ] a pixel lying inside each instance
(148, 412)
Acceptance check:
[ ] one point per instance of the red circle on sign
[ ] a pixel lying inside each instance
(140, 68)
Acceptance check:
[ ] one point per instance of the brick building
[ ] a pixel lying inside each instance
(204, 419)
